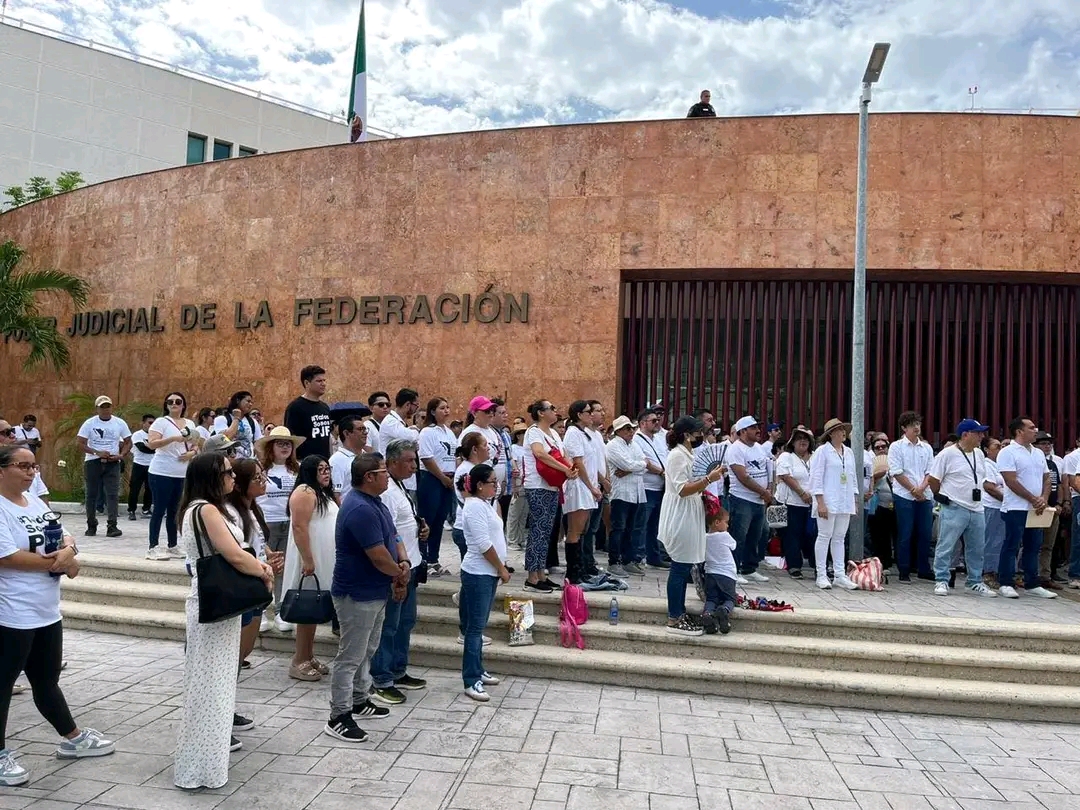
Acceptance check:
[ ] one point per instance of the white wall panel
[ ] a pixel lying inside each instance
(18, 107)
(17, 72)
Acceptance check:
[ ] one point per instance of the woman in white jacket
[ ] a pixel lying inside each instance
(833, 485)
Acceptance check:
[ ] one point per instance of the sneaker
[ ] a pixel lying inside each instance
(410, 683)
(756, 577)
(1074, 584)
(487, 679)
(709, 622)
(304, 672)
(234, 744)
(662, 564)
(114, 531)
(617, 570)
(980, 589)
(844, 581)
(89, 743)
(157, 553)
(241, 723)
(905, 578)
(266, 624)
(477, 693)
(389, 695)
(132, 516)
(928, 577)
(369, 709)
(542, 586)
(11, 772)
(175, 553)
(1042, 593)
(941, 589)
(91, 531)
(741, 580)
(824, 584)
(637, 568)
(146, 513)
(18, 689)
(282, 626)
(795, 573)
(723, 619)
(461, 640)
(1009, 592)
(436, 570)
(343, 727)
(684, 626)
(1058, 578)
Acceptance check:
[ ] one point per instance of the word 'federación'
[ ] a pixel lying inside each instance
(368, 310)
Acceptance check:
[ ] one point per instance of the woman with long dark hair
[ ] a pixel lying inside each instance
(435, 481)
(211, 654)
(540, 440)
(793, 490)
(175, 441)
(278, 457)
(237, 423)
(313, 509)
(474, 450)
(581, 494)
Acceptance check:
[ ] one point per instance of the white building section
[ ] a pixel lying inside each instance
(72, 105)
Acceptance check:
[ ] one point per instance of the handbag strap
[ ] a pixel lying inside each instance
(198, 528)
(300, 585)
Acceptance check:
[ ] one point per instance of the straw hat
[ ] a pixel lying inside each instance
(279, 434)
(831, 425)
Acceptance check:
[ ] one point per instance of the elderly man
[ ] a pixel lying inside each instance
(389, 667)
(626, 466)
(105, 440)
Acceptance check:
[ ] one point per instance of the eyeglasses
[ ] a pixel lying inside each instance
(383, 471)
(174, 402)
(230, 472)
(381, 405)
(26, 466)
(8, 432)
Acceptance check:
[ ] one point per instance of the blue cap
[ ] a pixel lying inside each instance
(970, 426)
(774, 426)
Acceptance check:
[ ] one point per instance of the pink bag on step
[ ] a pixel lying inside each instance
(573, 613)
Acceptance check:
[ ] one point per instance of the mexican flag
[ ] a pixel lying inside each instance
(358, 92)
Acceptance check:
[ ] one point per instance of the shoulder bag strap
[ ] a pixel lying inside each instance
(198, 528)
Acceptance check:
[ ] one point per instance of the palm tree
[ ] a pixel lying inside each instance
(19, 313)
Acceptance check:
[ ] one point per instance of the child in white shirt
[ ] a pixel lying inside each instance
(720, 571)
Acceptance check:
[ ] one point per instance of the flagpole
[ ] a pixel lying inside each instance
(358, 90)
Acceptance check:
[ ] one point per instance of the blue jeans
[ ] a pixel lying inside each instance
(953, 523)
(651, 534)
(459, 541)
(1027, 541)
(913, 517)
(678, 578)
(167, 493)
(433, 503)
(719, 593)
(621, 539)
(798, 537)
(391, 661)
(747, 527)
(1074, 550)
(474, 609)
(995, 538)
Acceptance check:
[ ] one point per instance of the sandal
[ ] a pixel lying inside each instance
(319, 666)
(304, 672)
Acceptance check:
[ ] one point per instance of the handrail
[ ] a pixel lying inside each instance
(191, 74)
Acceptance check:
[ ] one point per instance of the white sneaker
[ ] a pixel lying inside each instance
(461, 639)
(456, 598)
(1042, 593)
(11, 772)
(158, 554)
(741, 580)
(756, 577)
(845, 582)
(282, 626)
(175, 553)
(266, 625)
(477, 693)
(824, 584)
(941, 589)
(1009, 592)
(487, 679)
(1074, 584)
(980, 589)
(89, 743)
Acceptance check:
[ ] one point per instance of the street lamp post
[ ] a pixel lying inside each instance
(858, 315)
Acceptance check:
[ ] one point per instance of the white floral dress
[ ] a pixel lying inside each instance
(210, 666)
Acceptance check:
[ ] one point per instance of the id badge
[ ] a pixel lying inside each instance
(843, 478)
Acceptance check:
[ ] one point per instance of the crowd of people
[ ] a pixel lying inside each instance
(354, 500)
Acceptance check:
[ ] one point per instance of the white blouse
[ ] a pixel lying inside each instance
(833, 475)
(790, 464)
(682, 520)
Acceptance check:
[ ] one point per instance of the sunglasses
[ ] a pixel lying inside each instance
(381, 405)
(7, 432)
(174, 402)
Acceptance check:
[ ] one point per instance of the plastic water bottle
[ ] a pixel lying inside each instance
(613, 612)
(54, 533)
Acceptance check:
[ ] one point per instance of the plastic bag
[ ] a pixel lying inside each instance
(521, 616)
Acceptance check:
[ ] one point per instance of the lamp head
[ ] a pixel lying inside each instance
(876, 63)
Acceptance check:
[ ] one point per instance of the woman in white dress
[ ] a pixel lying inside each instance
(581, 494)
(313, 509)
(211, 654)
(833, 485)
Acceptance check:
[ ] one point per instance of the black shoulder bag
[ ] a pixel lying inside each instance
(224, 592)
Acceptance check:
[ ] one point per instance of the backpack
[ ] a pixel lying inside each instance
(573, 613)
(867, 574)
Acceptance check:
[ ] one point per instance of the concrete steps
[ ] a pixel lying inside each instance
(999, 669)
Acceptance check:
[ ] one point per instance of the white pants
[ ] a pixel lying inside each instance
(831, 536)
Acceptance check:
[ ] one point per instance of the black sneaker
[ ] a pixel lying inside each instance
(543, 586)
(132, 516)
(685, 626)
(905, 578)
(241, 723)
(708, 620)
(369, 709)
(389, 695)
(91, 531)
(410, 683)
(114, 531)
(795, 573)
(344, 728)
(234, 744)
(146, 513)
(724, 621)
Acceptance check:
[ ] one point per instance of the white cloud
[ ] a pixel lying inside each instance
(442, 65)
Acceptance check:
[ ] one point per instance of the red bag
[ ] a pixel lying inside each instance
(555, 478)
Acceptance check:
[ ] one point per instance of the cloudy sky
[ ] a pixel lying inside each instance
(446, 65)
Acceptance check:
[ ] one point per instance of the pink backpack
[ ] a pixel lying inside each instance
(573, 613)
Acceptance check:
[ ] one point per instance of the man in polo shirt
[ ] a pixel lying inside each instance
(353, 434)
(370, 558)
(647, 520)
(956, 479)
(397, 423)
(750, 475)
(909, 465)
(380, 405)
(1027, 487)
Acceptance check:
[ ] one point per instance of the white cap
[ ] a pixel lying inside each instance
(102, 400)
(744, 423)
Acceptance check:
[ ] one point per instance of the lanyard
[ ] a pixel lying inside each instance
(408, 497)
(971, 463)
(843, 462)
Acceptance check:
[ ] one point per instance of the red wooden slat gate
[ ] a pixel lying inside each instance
(782, 350)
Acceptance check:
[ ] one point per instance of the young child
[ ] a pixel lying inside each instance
(720, 570)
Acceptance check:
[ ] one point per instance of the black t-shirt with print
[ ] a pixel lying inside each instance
(310, 419)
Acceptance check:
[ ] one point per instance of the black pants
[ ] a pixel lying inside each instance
(38, 653)
(504, 509)
(102, 476)
(139, 481)
(557, 528)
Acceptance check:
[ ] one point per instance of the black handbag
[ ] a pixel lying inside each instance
(224, 592)
(307, 607)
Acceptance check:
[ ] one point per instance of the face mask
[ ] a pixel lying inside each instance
(697, 441)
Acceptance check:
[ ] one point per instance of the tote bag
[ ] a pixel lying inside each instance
(224, 592)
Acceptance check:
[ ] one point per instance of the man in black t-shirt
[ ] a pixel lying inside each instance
(308, 416)
(703, 109)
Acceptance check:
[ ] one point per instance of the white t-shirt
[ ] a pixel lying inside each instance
(138, 456)
(24, 435)
(279, 486)
(38, 488)
(104, 435)
(960, 473)
(246, 436)
(255, 541)
(757, 464)
(483, 530)
(791, 464)
(517, 454)
(203, 432)
(341, 470)
(655, 451)
(459, 518)
(404, 515)
(394, 427)
(534, 435)
(595, 456)
(993, 475)
(496, 457)
(719, 554)
(28, 599)
(1029, 464)
(576, 445)
(439, 443)
(166, 460)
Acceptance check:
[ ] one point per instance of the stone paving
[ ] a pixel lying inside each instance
(538, 745)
